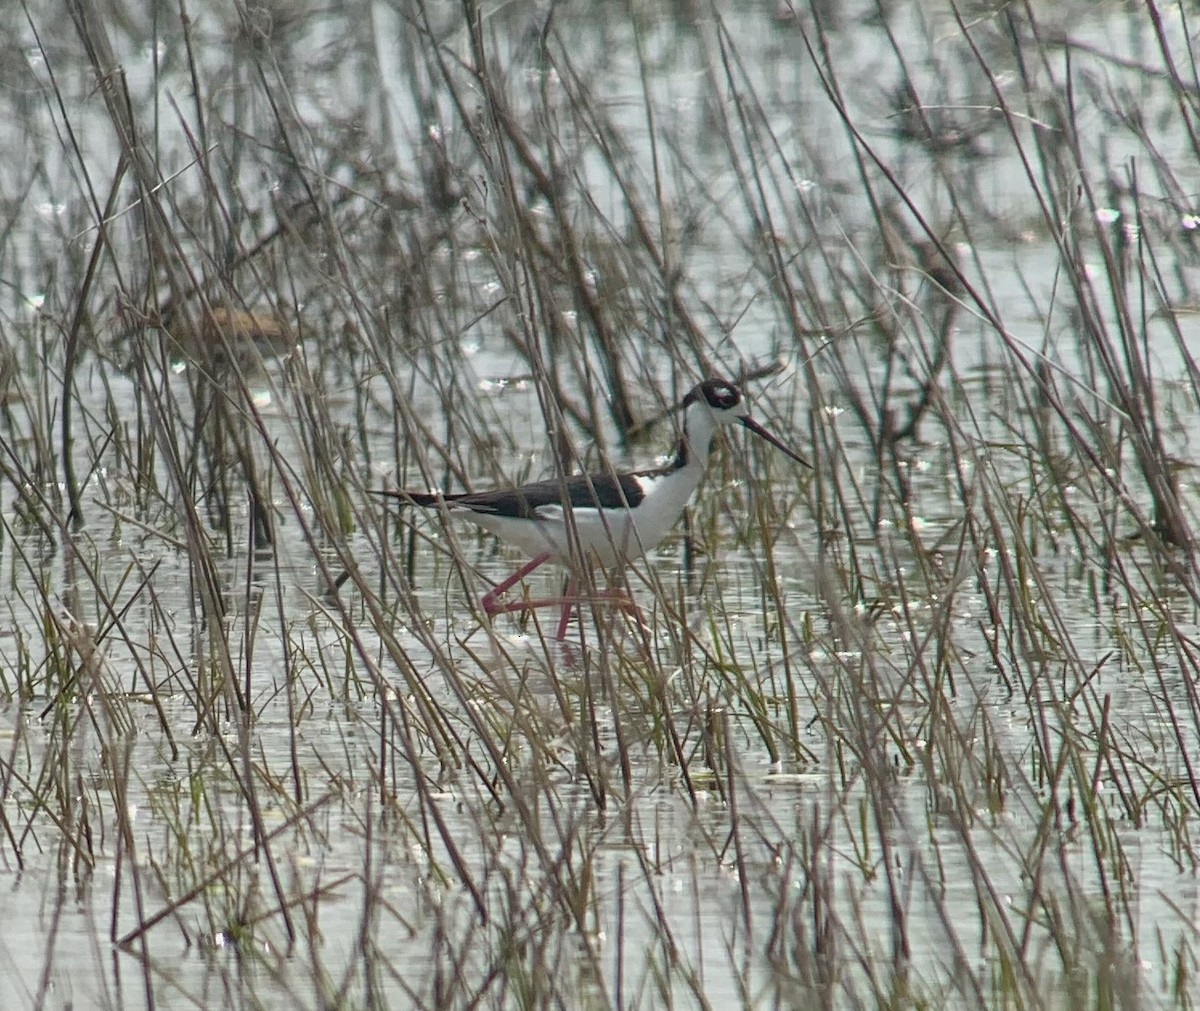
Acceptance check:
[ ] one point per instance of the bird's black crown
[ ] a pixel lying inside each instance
(719, 394)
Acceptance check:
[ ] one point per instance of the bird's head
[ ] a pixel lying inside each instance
(716, 403)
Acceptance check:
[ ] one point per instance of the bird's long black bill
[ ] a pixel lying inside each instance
(758, 430)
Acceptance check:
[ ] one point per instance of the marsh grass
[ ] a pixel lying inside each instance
(915, 729)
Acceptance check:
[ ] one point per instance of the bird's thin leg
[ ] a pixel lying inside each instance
(620, 598)
(623, 599)
(570, 600)
(491, 599)
(564, 619)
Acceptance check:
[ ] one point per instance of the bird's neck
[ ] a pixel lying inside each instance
(694, 443)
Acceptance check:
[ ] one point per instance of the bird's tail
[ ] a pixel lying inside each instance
(417, 498)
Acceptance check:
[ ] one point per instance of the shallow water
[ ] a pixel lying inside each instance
(882, 766)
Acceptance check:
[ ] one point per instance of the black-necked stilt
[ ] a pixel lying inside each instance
(617, 517)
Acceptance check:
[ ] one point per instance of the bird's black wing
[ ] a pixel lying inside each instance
(602, 491)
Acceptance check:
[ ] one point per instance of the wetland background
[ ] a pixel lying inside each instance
(914, 730)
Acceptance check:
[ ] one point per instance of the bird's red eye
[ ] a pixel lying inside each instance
(719, 395)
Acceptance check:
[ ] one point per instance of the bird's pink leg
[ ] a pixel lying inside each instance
(569, 605)
(570, 600)
(565, 602)
(623, 599)
(491, 599)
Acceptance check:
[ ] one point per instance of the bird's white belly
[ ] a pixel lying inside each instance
(607, 537)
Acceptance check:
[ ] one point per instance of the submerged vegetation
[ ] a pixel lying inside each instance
(916, 729)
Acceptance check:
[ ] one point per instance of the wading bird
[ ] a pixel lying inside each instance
(614, 517)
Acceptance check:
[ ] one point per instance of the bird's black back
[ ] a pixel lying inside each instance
(604, 491)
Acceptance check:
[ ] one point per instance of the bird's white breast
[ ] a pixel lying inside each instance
(606, 536)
